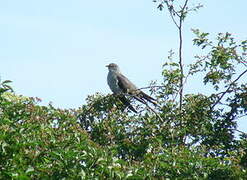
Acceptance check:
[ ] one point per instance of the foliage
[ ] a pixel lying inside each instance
(189, 139)
(39, 142)
(101, 140)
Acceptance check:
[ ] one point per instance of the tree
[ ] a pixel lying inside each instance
(188, 136)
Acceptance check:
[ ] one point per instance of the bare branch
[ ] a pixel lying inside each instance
(148, 87)
(153, 111)
(239, 131)
(185, 4)
(171, 11)
(181, 18)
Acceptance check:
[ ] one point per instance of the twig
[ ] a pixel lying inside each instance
(227, 90)
(153, 111)
(171, 10)
(239, 131)
(238, 117)
(244, 63)
(185, 81)
(150, 87)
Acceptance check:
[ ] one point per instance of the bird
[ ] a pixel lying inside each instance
(121, 85)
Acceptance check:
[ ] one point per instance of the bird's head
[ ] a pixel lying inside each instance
(113, 67)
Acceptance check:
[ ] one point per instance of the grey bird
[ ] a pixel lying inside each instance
(121, 85)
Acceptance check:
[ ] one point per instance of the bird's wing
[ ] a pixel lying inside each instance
(128, 87)
(125, 84)
(126, 102)
(148, 98)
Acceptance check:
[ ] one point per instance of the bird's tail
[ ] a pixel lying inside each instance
(126, 102)
(148, 98)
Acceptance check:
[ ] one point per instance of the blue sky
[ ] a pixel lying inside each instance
(57, 50)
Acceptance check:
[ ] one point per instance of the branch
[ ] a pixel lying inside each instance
(185, 4)
(184, 82)
(153, 111)
(170, 9)
(244, 63)
(180, 54)
(150, 87)
(239, 131)
(227, 90)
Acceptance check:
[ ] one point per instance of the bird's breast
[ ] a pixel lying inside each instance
(113, 83)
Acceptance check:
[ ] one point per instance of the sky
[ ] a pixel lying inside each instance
(57, 50)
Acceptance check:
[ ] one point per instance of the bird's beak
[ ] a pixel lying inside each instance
(107, 65)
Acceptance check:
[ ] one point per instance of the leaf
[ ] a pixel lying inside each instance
(160, 7)
(6, 81)
(30, 169)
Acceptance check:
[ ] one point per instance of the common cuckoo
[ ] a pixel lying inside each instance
(121, 85)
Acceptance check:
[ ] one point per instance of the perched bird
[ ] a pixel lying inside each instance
(121, 85)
